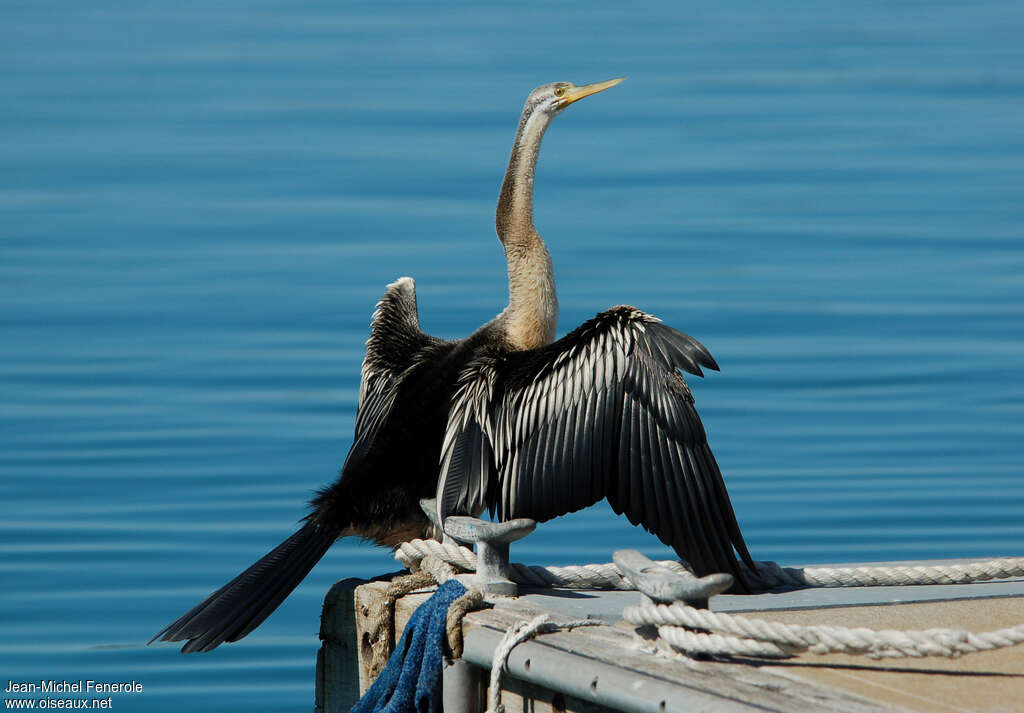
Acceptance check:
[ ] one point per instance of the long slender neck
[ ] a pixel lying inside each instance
(530, 319)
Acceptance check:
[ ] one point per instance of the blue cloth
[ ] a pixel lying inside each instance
(411, 681)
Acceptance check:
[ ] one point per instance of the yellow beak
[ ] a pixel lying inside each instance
(574, 94)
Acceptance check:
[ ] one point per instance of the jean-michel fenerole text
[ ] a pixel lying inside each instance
(81, 686)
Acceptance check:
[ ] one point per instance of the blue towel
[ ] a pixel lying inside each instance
(411, 681)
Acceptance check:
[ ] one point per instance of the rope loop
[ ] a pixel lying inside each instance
(683, 627)
(515, 635)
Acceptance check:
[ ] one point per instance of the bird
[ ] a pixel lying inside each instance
(508, 420)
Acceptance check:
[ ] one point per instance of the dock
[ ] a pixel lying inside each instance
(610, 668)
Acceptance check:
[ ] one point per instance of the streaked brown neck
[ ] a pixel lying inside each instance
(530, 319)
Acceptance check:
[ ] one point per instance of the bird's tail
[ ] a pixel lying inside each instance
(243, 603)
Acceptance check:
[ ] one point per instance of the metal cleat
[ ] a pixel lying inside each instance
(665, 585)
(492, 545)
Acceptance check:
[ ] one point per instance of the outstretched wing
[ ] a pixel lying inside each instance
(395, 340)
(602, 412)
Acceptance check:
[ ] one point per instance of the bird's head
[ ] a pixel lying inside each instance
(553, 98)
(514, 217)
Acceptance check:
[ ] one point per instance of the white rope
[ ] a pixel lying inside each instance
(770, 575)
(587, 576)
(515, 635)
(699, 631)
(738, 635)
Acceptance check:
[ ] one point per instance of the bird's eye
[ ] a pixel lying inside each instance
(559, 91)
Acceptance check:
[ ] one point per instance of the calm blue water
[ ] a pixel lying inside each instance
(201, 202)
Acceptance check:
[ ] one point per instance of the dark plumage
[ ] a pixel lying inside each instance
(507, 420)
(602, 412)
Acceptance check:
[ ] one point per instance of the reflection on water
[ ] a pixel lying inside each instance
(200, 206)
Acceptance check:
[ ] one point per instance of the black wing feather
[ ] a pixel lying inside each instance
(603, 412)
(622, 484)
(662, 478)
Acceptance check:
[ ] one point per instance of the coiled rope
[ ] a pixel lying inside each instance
(731, 634)
(699, 631)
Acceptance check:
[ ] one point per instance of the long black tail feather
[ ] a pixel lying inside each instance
(243, 603)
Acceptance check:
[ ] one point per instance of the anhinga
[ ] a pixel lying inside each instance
(507, 419)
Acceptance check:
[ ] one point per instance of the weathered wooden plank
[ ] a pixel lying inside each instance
(372, 637)
(337, 671)
(984, 681)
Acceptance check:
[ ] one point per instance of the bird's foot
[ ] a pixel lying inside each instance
(666, 585)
